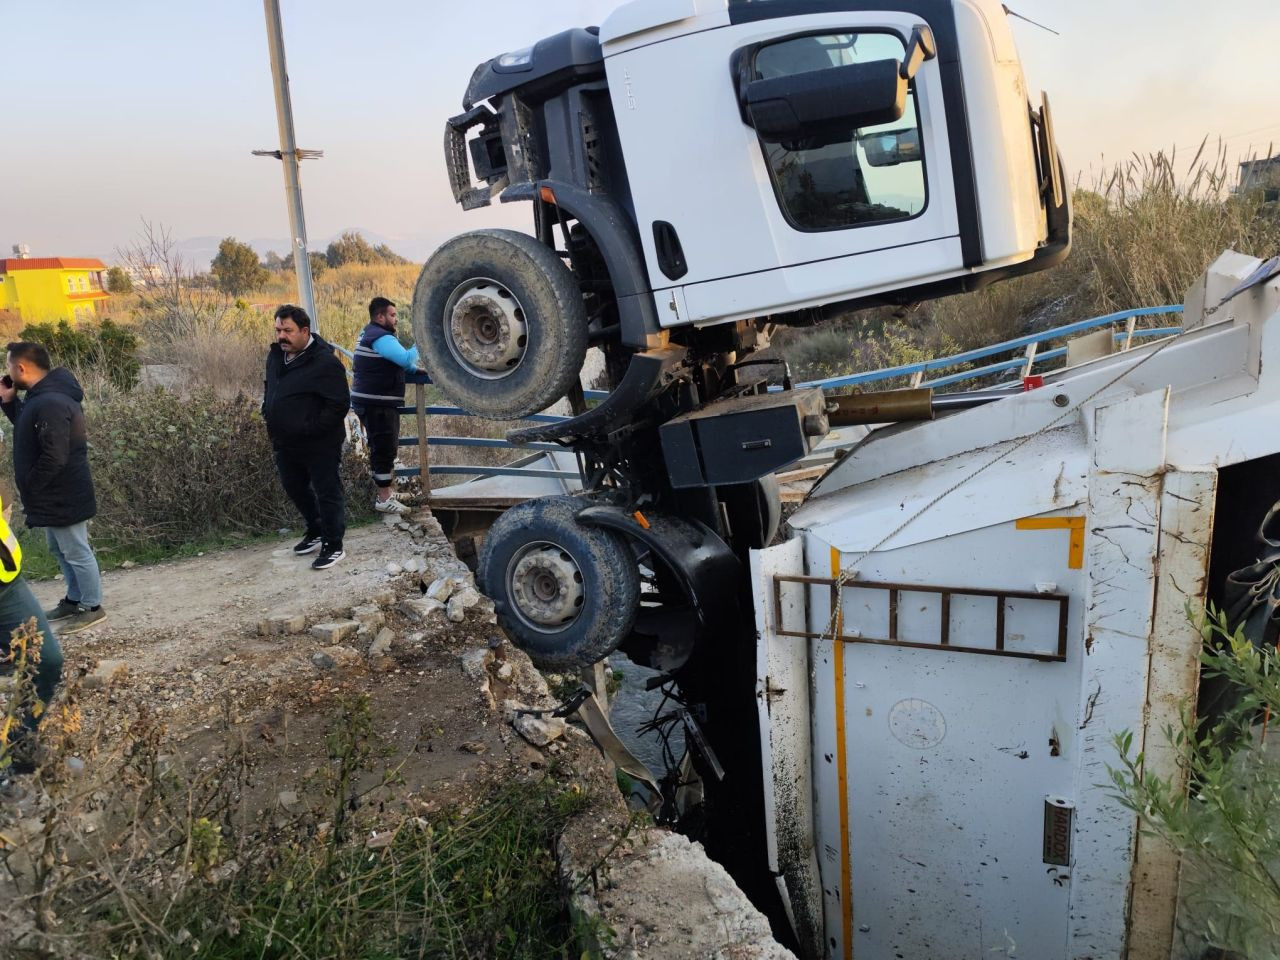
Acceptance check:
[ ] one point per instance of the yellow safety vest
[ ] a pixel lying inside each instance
(10, 551)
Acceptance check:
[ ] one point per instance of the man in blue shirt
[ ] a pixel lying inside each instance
(377, 394)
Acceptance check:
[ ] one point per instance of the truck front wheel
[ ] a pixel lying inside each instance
(567, 594)
(500, 322)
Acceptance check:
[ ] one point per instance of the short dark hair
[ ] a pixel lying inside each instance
(30, 352)
(378, 306)
(299, 316)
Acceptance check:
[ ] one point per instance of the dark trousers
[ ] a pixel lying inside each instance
(313, 482)
(382, 427)
(18, 605)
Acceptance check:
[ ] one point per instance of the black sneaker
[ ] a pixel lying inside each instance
(330, 554)
(64, 609)
(309, 543)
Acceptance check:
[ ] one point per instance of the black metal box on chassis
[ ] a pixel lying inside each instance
(743, 438)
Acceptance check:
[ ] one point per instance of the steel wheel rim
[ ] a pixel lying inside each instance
(485, 328)
(546, 586)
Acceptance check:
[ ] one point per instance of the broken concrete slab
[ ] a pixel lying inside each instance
(281, 624)
(442, 588)
(419, 609)
(539, 731)
(461, 602)
(381, 644)
(336, 631)
(370, 616)
(676, 902)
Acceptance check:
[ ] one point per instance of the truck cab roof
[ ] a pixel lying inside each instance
(548, 67)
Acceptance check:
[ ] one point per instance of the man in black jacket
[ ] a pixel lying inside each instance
(305, 401)
(51, 466)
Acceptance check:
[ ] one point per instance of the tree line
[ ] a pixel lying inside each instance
(237, 270)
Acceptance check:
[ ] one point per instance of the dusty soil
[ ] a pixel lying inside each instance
(188, 634)
(183, 650)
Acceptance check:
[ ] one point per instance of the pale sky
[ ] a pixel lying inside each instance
(149, 108)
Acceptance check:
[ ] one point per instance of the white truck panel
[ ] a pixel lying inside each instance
(942, 776)
(1186, 529)
(1125, 480)
(809, 284)
(949, 755)
(782, 695)
(647, 21)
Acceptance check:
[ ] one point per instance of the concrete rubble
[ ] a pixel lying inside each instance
(104, 674)
(658, 893)
(335, 631)
(662, 896)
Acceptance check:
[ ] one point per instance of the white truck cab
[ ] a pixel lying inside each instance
(697, 163)
(771, 217)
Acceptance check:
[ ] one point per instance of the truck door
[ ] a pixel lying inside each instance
(769, 221)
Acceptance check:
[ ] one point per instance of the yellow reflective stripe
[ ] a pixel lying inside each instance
(842, 767)
(10, 553)
(1075, 544)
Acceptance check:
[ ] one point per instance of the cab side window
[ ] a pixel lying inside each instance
(875, 175)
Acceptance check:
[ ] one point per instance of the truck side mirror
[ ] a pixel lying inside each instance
(891, 148)
(920, 48)
(822, 107)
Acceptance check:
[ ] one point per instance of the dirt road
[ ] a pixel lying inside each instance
(255, 717)
(195, 611)
(183, 640)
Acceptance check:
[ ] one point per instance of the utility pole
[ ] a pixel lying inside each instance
(291, 157)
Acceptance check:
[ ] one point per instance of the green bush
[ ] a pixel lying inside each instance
(169, 470)
(106, 349)
(1226, 825)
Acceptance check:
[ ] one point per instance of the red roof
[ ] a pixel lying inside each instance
(52, 263)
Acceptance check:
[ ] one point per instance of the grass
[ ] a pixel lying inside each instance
(178, 865)
(1219, 809)
(481, 883)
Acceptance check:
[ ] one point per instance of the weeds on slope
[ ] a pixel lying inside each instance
(141, 856)
(478, 884)
(1220, 810)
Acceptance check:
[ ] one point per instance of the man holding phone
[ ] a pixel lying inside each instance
(51, 466)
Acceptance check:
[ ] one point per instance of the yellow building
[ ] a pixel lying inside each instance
(43, 289)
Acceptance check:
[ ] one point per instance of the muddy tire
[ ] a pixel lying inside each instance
(500, 323)
(566, 594)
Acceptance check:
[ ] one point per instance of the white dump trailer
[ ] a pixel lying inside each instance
(972, 608)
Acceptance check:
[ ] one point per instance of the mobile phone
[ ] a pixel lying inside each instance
(7, 382)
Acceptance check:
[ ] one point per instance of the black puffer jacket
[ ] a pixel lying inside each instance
(51, 452)
(305, 401)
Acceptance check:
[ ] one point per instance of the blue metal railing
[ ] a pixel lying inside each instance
(1018, 343)
(911, 370)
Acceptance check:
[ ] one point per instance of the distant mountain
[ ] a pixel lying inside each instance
(200, 251)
